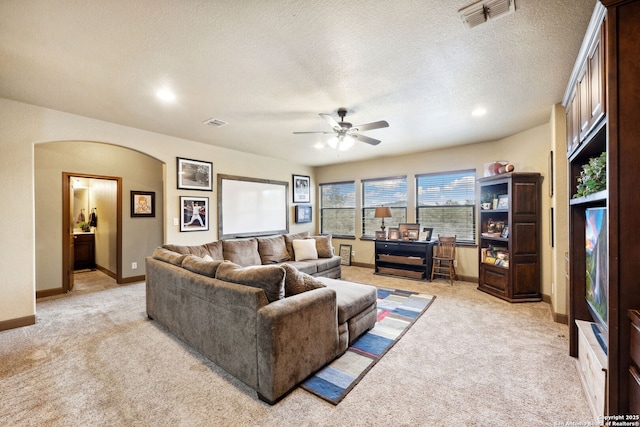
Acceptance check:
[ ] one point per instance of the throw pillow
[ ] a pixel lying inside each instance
(213, 249)
(323, 246)
(297, 282)
(273, 250)
(289, 238)
(305, 249)
(201, 265)
(168, 256)
(243, 252)
(269, 278)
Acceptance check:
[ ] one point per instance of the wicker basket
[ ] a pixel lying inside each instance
(403, 273)
(401, 259)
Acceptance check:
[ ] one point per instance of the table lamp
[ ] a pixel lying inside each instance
(382, 212)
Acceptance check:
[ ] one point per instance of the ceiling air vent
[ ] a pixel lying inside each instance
(481, 11)
(214, 122)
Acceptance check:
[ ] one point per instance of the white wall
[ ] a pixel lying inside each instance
(24, 125)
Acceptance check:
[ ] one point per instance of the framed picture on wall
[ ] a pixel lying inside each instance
(194, 175)
(143, 204)
(194, 215)
(303, 213)
(301, 190)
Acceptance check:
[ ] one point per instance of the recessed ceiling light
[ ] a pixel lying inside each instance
(166, 94)
(479, 112)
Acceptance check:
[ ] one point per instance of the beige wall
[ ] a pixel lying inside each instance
(139, 235)
(528, 151)
(24, 125)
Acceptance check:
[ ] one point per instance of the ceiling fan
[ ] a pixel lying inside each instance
(346, 133)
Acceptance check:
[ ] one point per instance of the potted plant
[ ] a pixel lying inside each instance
(486, 199)
(593, 177)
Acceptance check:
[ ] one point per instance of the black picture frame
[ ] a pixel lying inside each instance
(345, 254)
(301, 189)
(143, 204)
(303, 213)
(187, 216)
(426, 234)
(194, 174)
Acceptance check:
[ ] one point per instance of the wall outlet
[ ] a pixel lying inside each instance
(455, 262)
(134, 265)
(353, 253)
(175, 221)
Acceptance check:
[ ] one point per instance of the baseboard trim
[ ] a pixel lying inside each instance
(17, 323)
(107, 272)
(134, 279)
(49, 292)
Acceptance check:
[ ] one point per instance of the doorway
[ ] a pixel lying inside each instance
(86, 197)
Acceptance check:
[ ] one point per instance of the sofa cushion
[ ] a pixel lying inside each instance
(213, 249)
(269, 278)
(305, 249)
(289, 238)
(273, 250)
(205, 266)
(323, 246)
(296, 282)
(352, 298)
(308, 267)
(243, 252)
(169, 256)
(328, 263)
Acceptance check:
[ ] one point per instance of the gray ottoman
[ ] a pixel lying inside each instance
(357, 309)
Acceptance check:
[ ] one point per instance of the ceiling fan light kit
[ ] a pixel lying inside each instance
(346, 133)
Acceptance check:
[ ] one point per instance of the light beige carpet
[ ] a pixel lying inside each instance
(94, 358)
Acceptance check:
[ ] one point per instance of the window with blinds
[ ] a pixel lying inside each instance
(387, 192)
(338, 209)
(447, 202)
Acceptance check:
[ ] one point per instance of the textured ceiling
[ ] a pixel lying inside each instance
(269, 67)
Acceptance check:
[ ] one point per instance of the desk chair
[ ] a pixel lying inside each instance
(443, 258)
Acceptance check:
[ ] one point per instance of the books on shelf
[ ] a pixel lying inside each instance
(495, 255)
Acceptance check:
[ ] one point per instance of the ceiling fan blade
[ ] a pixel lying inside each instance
(366, 139)
(332, 122)
(373, 125)
(316, 131)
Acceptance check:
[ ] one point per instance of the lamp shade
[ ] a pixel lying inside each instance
(382, 212)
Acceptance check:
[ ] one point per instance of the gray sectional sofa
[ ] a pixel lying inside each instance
(268, 322)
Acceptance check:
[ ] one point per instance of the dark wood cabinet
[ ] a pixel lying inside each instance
(83, 251)
(509, 242)
(611, 54)
(410, 259)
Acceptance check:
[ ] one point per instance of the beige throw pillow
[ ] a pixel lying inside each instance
(297, 282)
(289, 238)
(305, 249)
(269, 278)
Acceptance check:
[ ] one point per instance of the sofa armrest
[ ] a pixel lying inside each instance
(296, 336)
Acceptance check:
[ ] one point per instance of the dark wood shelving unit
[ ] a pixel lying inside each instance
(518, 279)
(602, 116)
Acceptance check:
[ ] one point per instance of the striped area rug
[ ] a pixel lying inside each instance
(397, 311)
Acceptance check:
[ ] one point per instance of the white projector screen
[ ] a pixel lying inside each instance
(251, 207)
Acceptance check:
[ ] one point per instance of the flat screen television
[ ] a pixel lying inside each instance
(597, 275)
